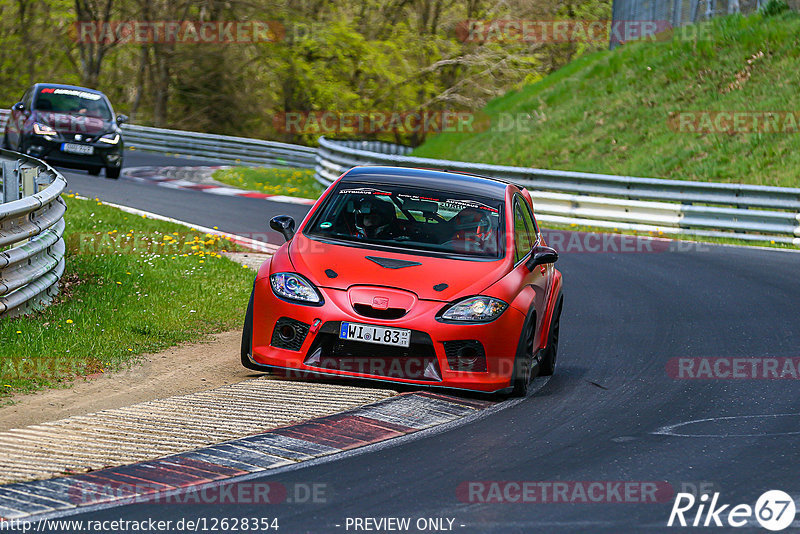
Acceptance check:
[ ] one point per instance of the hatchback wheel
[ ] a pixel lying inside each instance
(523, 363)
(548, 365)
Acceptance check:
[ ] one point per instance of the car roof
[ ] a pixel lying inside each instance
(428, 179)
(65, 86)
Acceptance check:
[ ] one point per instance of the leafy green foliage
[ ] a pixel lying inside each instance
(331, 55)
(774, 7)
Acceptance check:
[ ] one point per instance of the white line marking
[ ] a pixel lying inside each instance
(669, 430)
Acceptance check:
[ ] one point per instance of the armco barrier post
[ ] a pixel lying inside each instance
(29, 184)
(10, 182)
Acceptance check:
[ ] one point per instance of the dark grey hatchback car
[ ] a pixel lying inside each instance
(67, 125)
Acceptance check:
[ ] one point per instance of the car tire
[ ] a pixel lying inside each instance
(113, 172)
(524, 360)
(94, 171)
(247, 336)
(550, 354)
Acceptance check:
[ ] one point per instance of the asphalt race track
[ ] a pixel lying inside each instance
(603, 417)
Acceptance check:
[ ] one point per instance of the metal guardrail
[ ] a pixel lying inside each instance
(239, 150)
(223, 148)
(704, 209)
(31, 229)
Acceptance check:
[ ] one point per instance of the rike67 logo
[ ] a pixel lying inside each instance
(774, 510)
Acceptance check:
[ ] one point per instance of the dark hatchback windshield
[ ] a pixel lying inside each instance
(72, 102)
(451, 223)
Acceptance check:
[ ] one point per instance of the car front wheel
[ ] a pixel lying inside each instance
(247, 336)
(113, 172)
(548, 365)
(523, 362)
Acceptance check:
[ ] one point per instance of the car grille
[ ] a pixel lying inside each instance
(289, 334)
(388, 313)
(465, 355)
(416, 362)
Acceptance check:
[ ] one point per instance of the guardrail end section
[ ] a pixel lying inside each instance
(32, 282)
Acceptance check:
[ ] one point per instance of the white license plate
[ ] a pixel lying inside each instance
(398, 337)
(74, 148)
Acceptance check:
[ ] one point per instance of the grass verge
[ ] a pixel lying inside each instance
(615, 111)
(132, 285)
(273, 181)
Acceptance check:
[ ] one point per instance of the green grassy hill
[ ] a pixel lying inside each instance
(609, 112)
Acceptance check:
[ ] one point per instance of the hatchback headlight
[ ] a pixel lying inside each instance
(292, 286)
(43, 129)
(475, 310)
(110, 138)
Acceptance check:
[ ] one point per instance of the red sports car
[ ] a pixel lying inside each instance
(410, 275)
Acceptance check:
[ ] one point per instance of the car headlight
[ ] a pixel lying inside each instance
(475, 310)
(43, 129)
(110, 138)
(292, 286)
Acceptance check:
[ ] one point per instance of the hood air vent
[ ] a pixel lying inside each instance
(391, 263)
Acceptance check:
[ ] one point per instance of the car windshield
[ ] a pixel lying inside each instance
(72, 102)
(452, 223)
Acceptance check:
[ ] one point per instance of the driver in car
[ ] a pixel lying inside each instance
(473, 231)
(375, 219)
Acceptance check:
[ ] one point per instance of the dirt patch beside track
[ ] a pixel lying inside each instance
(176, 371)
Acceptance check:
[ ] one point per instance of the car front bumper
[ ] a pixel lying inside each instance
(434, 357)
(105, 155)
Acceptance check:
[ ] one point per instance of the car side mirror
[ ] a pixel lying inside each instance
(19, 106)
(122, 119)
(541, 256)
(283, 224)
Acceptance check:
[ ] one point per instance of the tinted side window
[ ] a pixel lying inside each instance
(522, 236)
(531, 224)
(27, 99)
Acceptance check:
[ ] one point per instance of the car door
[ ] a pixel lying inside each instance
(526, 237)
